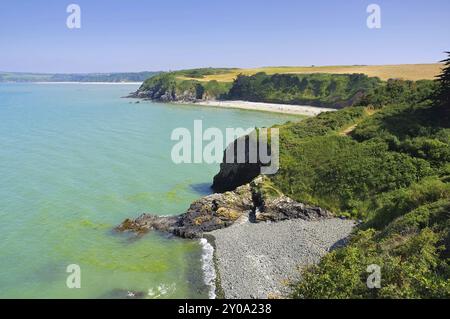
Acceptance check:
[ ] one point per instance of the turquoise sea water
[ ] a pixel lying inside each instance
(75, 160)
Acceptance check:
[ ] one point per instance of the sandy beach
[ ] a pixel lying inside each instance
(258, 260)
(268, 107)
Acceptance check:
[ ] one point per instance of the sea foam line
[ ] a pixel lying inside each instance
(209, 271)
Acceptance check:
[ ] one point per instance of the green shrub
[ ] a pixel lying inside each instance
(327, 90)
(410, 268)
(393, 172)
(391, 205)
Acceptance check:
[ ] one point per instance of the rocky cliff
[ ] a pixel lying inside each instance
(173, 87)
(233, 174)
(163, 94)
(254, 202)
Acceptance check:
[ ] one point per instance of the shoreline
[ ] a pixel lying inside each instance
(208, 267)
(260, 260)
(304, 110)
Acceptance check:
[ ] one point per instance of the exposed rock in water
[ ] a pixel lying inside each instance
(147, 222)
(206, 214)
(255, 202)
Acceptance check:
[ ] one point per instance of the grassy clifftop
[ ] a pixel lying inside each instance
(317, 89)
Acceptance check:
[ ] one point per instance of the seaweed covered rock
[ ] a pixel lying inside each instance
(215, 211)
(206, 214)
(147, 222)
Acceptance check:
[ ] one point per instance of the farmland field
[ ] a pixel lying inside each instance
(412, 72)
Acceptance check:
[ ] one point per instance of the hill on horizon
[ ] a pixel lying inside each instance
(76, 77)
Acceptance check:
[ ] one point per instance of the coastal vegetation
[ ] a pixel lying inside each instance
(346, 172)
(173, 86)
(393, 172)
(328, 90)
(383, 159)
(313, 89)
(325, 90)
(386, 163)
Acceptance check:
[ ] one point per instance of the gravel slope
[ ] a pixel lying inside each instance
(255, 260)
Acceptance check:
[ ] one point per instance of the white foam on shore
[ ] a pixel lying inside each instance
(209, 272)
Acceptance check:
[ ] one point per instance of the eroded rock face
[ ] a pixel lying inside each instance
(255, 202)
(234, 174)
(162, 94)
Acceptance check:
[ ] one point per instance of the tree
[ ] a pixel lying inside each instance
(442, 97)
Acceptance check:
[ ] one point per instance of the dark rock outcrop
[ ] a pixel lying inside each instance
(270, 204)
(283, 208)
(255, 202)
(147, 222)
(206, 214)
(215, 211)
(165, 96)
(233, 174)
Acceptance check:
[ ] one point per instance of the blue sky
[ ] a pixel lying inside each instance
(136, 35)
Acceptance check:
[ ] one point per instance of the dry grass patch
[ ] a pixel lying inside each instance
(412, 72)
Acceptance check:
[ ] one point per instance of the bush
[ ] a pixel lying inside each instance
(410, 268)
(389, 206)
(342, 175)
(393, 172)
(327, 90)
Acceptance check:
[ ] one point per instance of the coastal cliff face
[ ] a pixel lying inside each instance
(254, 202)
(169, 94)
(234, 174)
(171, 87)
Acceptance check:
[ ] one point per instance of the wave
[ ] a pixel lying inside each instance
(209, 272)
(161, 291)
